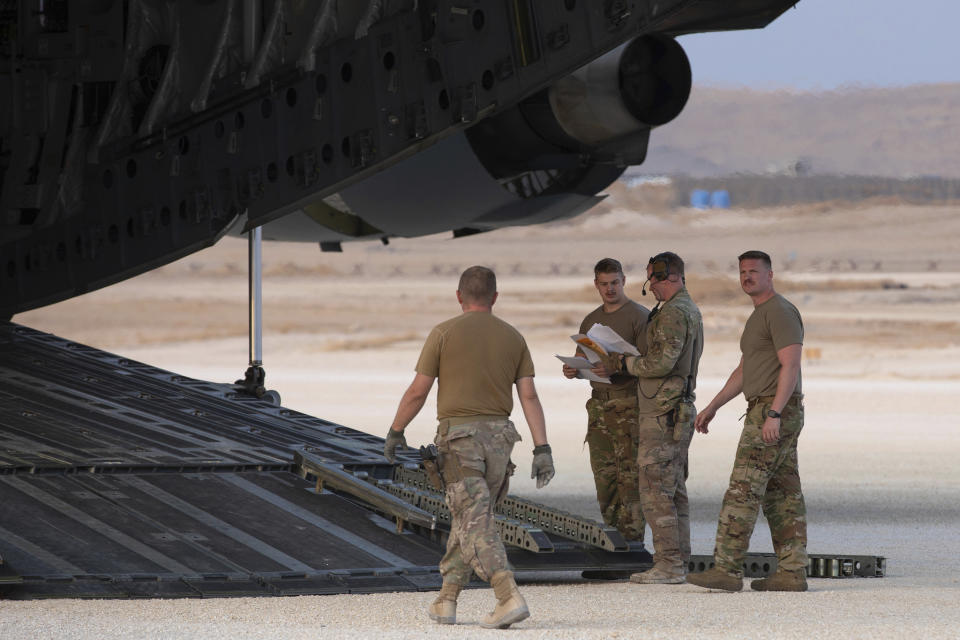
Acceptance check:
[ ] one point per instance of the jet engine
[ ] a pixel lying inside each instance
(544, 159)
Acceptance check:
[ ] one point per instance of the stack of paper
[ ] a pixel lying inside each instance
(608, 340)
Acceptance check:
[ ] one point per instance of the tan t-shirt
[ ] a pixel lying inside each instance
(630, 323)
(773, 325)
(476, 358)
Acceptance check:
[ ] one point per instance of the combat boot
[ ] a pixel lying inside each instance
(782, 581)
(715, 578)
(443, 610)
(511, 607)
(658, 575)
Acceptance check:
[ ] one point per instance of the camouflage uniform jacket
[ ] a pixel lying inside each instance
(674, 345)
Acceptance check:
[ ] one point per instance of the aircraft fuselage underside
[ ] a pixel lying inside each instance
(134, 133)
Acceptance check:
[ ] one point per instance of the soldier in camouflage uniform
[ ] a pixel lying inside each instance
(612, 407)
(765, 472)
(477, 359)
(667, 377)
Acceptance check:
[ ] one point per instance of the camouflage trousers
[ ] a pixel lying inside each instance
(611, 427)
(765, 475)
(477, 470)
(663, 466)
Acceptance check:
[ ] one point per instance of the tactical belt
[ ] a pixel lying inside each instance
(443, 426)
(610, 394)
(795, 400)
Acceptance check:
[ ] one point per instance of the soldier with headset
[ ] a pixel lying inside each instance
(667, 378)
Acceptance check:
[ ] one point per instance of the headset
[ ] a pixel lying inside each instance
(660, 272)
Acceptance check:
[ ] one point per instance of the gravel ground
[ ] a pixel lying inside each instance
(874, 486)
(896, 606)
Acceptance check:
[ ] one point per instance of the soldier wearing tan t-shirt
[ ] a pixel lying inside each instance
(765, 471)
(477, 359)
(612, 407)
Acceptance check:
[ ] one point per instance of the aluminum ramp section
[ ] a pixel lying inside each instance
(198, 534)
(118, 479)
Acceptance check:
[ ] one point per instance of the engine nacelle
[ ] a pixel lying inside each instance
(600, 114)
(640, 85)
(544, 159)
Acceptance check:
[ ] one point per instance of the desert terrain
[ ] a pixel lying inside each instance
(891, 131)
(878, 285)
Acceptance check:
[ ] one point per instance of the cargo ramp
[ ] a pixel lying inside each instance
(118, 479)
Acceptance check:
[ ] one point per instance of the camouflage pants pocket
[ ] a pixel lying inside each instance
(508, 436)
(462, 454)
(660, 477)
(683, 422)
(655, 440)
(792, 422)
(595, 423)
(598, 439)
(658, 456)
(750, 471)
(753, 426)
(754, 462)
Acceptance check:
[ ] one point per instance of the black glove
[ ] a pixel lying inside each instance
(542, 465)
(394, 438)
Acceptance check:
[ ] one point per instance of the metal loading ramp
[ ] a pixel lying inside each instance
(118, 479)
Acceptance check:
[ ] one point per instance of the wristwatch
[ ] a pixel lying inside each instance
(773, 414)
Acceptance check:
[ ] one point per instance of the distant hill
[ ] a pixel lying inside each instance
(898, 132)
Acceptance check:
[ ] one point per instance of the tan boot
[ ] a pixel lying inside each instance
(782, 581)
(658, 575)
(511, 607)
(716, 579)
(443, 610)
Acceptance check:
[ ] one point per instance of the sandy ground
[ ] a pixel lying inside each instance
(879, 289)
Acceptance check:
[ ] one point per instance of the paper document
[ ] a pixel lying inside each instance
(590, 354)
(607, 339)
(610, 340)
(583, 366)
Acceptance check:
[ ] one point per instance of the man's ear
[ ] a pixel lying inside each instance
(459, 297)
(495, 294)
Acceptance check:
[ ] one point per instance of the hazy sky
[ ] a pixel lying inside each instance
(825, 44)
